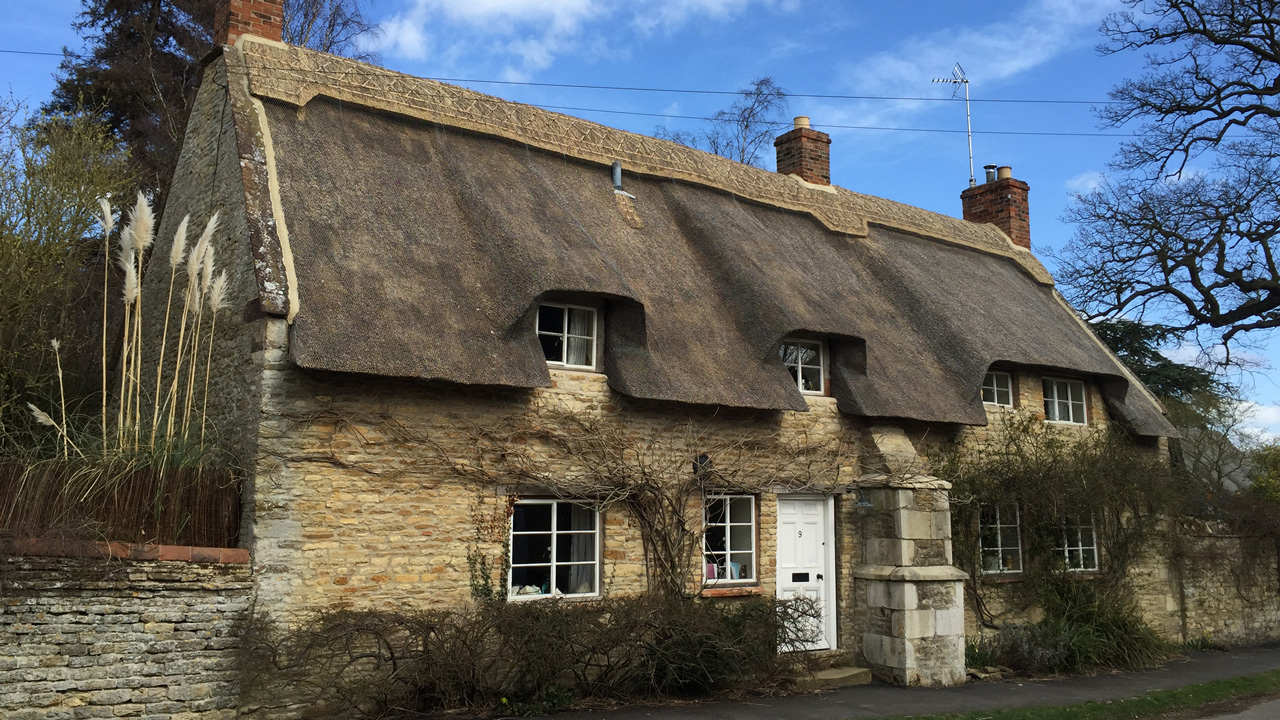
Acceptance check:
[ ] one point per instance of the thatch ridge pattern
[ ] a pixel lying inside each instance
(296, 76)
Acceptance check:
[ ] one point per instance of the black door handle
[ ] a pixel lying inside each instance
(819, 576)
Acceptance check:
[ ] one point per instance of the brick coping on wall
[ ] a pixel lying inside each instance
(42, 547)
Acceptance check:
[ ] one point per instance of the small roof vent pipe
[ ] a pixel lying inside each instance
(617, 180)
(991, 172)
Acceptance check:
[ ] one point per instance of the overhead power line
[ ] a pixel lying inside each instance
(31, 52)
(821, 96)
(668, 116)
(840, 127)
(702, 91)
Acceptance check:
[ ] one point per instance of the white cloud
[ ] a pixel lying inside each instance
(668, 14)
(990, 54)
(529, 36)
(1085, 182)
(1262, 422)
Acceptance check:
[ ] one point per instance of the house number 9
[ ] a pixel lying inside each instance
(799, 533)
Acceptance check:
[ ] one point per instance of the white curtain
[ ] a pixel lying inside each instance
(582, 577)
(578, 349)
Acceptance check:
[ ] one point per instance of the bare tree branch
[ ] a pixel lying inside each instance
(743, 130)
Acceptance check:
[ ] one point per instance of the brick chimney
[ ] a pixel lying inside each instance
(805, 152)
(1001, 201)
(233, 18)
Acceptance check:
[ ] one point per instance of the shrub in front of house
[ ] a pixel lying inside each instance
(1087, 627)
(524, 657)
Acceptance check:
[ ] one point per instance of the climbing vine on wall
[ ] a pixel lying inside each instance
(1057, 477)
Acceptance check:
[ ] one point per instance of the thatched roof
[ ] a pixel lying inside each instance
(426, 222)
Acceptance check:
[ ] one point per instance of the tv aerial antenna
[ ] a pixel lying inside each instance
(957, 79)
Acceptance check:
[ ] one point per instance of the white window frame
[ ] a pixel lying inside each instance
(821, 345)
(564, 335)
(994, 377)
(729, 552)
(554, 563)
(1072, 541)
(1052, 386)
(1004, 529)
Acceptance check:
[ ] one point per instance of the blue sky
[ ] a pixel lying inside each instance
(1010, 50)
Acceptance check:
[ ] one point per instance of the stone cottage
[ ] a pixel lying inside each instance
(411, 258)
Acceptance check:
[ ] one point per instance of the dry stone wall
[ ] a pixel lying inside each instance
(95, 638)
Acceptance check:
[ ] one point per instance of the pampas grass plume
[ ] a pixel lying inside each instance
(107, 219)
(218, 292)
(130, 281)
(124, 256)
(197, 255)
(42, 417)
(206, 270)
(179, 249)
(143, 222)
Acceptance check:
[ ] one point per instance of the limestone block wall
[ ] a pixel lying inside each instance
(1221, 587)
(913, 631)
(207, 180)
(1028, 397)
(352, 506)
(96, 638)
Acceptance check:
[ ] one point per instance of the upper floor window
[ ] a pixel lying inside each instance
(1079, 543)
(568, 335)
(999, 538)
(729, 537)
(997, 389)
(553, 549)
(805, 360)
(1064, 401)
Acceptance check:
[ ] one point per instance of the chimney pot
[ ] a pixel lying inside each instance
(1001, 201)
(805, 152)
(233, 18)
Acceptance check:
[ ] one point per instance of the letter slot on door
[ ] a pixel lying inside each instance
(799, 577)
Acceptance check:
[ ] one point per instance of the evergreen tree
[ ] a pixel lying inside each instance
(142, 67)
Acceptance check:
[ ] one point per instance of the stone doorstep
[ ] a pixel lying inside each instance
(834, 678)
(39, 547)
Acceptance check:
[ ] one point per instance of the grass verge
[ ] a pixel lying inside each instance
(1154, 704)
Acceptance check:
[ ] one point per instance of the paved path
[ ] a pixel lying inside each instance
(1265, 711)
(878, 701)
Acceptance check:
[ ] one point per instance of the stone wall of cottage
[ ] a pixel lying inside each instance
(1216, 586)
(352, 506)
(97, 638)
(1223, 589)
(208, 180)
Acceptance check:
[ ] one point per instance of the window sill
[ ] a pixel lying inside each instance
(1068, 423)
(561, 598)
(739, 591)
(1001, 578)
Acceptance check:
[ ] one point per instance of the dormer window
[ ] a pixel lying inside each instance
(568, 335)
(1064, 401)
(805, 360)
(997, 389)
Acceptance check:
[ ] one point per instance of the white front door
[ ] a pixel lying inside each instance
(805, 546)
